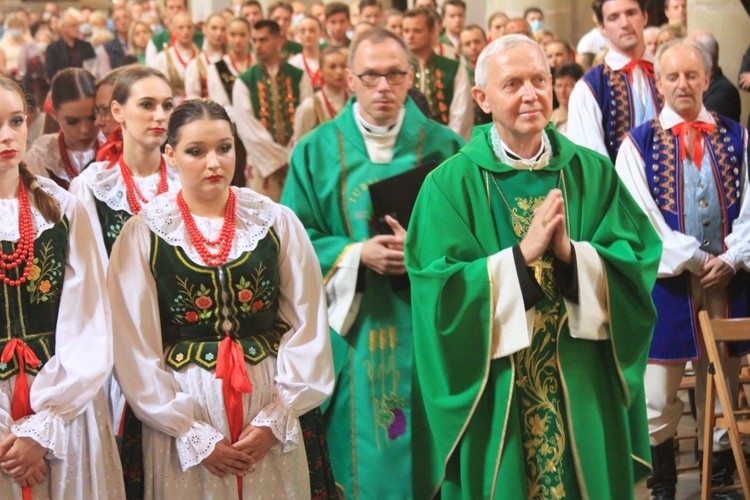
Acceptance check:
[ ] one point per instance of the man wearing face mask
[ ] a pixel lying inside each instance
(535, 17)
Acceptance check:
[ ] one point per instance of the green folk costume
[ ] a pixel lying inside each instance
(274, 101)
(164, 39)
(573, 408)
(439, 76)
(369, 416)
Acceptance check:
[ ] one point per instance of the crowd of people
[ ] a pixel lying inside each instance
(342, 251)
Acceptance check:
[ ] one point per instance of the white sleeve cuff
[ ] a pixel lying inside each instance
(589, 319)
(512, 324)
(343, 301)
(47, 429)
(282, 422)
(198, 442)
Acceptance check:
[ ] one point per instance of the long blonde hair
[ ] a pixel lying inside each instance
(43, 201)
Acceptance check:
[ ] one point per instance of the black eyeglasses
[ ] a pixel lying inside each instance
(370, 78)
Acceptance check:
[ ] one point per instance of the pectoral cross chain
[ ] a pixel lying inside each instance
(539, 266)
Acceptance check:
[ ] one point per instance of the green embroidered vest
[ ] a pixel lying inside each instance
(29, 311)
(440, 73)
(164, 39)
(274, 102)
(196, 302)
(111, 222)
(290, 48)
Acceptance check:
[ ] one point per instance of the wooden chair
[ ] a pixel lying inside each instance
(722, 330)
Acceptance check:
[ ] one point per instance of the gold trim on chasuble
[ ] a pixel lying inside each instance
(538, 377)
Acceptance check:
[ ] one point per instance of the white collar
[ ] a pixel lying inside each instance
(668, 117)
(616, 60)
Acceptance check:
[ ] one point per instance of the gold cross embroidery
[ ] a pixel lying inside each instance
(539, 266)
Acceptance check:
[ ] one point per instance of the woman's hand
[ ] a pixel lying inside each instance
(255, 442)
(225, 460)
(23, 459)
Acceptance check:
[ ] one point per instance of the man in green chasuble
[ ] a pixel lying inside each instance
(531, 270)
(379, 134)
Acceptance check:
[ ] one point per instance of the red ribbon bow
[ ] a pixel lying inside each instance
(111, 149)
(21, 404)
(230, 367)
(646, 66)
(681, 131)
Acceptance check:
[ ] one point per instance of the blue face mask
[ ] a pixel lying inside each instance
(16, 33)
(536, 25)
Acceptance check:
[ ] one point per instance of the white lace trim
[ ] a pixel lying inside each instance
(282, 422)
(108, 186)
(9, 211)
(255, 216)
(50, 158)
(47, 429)
(198, 442)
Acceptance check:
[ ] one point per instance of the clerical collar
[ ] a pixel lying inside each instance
(375, 129)
(506, 155)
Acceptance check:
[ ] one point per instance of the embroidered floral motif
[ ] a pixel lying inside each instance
(192, 304)
(384, 377)
(254, 293)
(44, 276)
(434, 90)
(113, 229)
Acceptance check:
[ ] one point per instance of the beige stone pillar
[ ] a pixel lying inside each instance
(730, 24)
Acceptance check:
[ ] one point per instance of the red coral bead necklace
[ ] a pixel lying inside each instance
(226, 235)
(25, 248)
(134, 195)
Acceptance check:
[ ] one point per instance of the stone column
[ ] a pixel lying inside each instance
(730, 25)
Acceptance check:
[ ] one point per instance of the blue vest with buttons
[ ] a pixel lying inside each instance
(676, 331)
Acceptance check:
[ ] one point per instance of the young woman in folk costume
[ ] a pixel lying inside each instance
(63, 155)
(131, 172)
(222, 336)
(326, 103)
(56, 439)
(238, 59)
(196, 74)
(309, 32)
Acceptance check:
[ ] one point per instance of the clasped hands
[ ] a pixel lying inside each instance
(384, 253)
(239, 458)
(714, 274)
(22, 458)
(547, 230)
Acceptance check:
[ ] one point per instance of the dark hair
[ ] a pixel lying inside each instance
(272, 26)
(532, 10)
(428, 14)
(573, 70)
(71, 84)
(334, 8)
(598, 6)
(454, 3)
(370, 3)
(43, 201)
(374, 35)
(193, 110)
(329, 51)
(129, 76)
(471, 27)
(280, 5)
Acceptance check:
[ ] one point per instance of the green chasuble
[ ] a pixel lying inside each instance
(565, 417)
(369, 416)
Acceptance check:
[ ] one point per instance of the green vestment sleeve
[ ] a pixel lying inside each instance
(464, 415)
